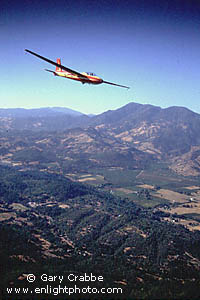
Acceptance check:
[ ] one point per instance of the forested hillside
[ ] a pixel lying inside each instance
(52, 225)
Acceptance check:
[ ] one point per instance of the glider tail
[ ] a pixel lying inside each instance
(57, 68)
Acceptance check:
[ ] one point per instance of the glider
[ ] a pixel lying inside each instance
(85, 77)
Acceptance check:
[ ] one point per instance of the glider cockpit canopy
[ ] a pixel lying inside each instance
(90, 73)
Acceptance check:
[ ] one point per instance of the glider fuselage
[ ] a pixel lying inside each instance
(91, 79)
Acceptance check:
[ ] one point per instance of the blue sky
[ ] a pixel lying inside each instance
(152, 46)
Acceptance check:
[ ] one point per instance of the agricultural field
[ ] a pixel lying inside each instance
(147, 188)
(176, 196)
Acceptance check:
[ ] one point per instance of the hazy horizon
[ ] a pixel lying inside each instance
(65, 107)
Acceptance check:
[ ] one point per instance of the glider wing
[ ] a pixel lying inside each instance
(127, 87)
(57, 65)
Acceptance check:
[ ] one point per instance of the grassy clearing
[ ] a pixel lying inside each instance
(186, 210)
(172, 196)
(146, 186)
(93, 179)
(152, 178)
(119, 177)
(87, 179)
(189, 223)
(125, 191)
(132, 196)
(7, 216)
(154, 201)
(18, 206)
(192, 188)
(85, 175)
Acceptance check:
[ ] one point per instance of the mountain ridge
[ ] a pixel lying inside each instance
(37, 112)
(139, 111)
(169, 134)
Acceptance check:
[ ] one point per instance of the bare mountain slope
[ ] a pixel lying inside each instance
(170, 135)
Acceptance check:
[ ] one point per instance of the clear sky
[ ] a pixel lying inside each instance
(153, 46)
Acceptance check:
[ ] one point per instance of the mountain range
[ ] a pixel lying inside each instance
(170, 134)
(37, 112)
